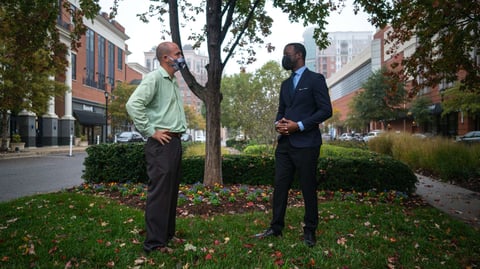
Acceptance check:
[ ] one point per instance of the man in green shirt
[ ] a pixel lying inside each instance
(156, 108)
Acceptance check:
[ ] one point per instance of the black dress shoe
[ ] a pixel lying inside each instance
(267, 233)
(309, 239)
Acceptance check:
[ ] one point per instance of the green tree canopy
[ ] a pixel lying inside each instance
(420, 109)
(380, 100)
(118, 113)
(457, 100)
(250, 101)
(447, 34)
(195, 120)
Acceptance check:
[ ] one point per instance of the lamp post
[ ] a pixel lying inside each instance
(106, 116)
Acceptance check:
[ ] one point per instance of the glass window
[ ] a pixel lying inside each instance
(74, 66)
(101, 63)
(90, 54)
(111, 63)
(120, 59)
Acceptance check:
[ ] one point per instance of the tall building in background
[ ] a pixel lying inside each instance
(196, 63)
(343, 48)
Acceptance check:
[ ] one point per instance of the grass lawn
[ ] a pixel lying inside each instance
(78, 230)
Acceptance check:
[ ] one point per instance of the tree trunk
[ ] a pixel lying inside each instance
(213, 158)
(210, 94)
(4, 131)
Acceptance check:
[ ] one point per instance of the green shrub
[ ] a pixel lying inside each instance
(339, 168)
(347, 144)
(259, 150)
(379, 172)
(121, 162)
(238, 145)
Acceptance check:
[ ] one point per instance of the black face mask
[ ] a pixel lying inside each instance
(287, 63)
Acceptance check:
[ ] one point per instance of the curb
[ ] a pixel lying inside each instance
(37, 152)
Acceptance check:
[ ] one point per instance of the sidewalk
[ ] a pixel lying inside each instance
(40, 151)
(455, 201)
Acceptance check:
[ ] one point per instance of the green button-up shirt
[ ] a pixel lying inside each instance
(156, 104)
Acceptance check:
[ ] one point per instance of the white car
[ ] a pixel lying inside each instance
(200, 138)
(345, 137)
(372, 134)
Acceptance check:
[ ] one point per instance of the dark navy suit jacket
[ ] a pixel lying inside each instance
(310, 104)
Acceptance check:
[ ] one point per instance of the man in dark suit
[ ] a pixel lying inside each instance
(304, 104)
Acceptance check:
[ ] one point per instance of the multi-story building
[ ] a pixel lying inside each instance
(94, 69)
(343, 48)
(348, 81)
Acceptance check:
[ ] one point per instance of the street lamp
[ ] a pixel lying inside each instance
(106, 116)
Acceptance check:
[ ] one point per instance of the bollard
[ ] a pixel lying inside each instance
(71, 145)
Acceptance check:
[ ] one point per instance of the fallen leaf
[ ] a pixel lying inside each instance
(139, 261)
(341, 241)
(53, 250)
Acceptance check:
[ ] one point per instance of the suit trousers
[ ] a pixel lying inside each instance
(164, 172)
(291, 161)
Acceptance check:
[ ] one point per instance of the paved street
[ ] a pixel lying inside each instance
(27, 176)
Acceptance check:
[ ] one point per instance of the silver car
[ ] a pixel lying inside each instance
(470, 137)
(126, 137)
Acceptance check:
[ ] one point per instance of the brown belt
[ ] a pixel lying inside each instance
(174, 134)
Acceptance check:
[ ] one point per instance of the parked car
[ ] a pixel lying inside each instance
(470, 137)
(345, 137)
(358, 137)
(199, 138)
(186, 137)
(126, 137)
(372, 134)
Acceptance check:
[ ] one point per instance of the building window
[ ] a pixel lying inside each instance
(120, 59)
(111, 63)
(74, 66)
(149, 64)
(101, 63)
(90, 54)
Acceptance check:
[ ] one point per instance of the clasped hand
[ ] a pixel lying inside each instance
(286, 127)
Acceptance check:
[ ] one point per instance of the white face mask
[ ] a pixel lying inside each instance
(178, 63)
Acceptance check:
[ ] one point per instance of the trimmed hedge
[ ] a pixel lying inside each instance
(341, 168)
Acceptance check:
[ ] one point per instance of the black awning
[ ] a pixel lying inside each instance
(89, 118)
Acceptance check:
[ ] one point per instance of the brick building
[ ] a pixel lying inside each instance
(94, 70)
(345, 83)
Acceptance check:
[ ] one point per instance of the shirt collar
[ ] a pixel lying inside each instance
(300, 70)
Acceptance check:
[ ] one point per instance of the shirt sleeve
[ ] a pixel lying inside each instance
(137, 106)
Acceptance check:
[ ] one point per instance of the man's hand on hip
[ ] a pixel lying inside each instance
(162, 136)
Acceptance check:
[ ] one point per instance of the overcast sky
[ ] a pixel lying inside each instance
(145, 36)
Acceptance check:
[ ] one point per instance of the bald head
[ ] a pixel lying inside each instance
(167, 55)
(165, 48)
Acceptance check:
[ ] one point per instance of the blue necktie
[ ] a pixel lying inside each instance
(294, 83)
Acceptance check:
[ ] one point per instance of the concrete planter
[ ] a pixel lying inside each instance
(19, 146)
(83, 143)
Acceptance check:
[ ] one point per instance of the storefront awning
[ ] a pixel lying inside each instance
(89, 118)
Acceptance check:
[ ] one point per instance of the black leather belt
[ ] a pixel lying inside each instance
(174, 134)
